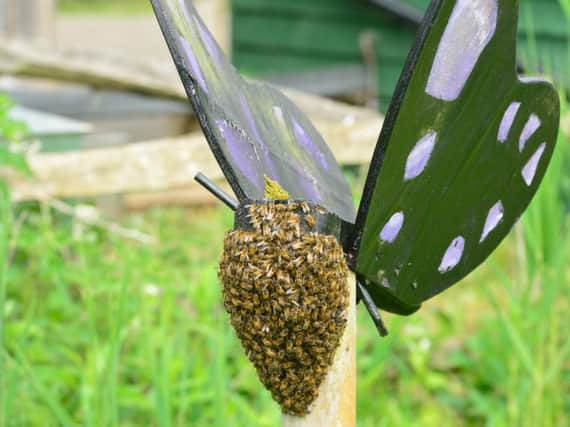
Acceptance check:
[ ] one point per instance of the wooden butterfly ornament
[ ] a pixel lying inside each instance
(464, 146)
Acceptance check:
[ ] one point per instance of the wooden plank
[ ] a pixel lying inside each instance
(350, 9)
(252, 61)
(97, 70)
(332, 81)
(321, 37)
(172, 163)
(267, 64)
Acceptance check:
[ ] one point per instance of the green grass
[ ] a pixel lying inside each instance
(115, 7)
(101, 331)
(96, 330)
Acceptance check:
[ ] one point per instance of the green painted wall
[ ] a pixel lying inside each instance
(277, 36)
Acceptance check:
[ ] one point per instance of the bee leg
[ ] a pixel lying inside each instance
(363, 295)
(209, 185)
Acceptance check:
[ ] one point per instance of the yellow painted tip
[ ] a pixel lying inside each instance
(273, 191)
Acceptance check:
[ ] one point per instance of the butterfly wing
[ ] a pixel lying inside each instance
(253, 130)
(464, 147)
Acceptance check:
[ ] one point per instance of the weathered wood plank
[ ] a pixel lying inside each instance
(99, 71)
(322, 37)
(107, 71)
(172, 163)
(273, 63)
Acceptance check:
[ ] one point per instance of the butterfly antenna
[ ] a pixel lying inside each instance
(364, 295)
(220, 194)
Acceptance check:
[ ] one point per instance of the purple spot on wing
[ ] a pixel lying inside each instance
(252, 127)
(420, 155)
(470, 28)
(508, 120)
(241, 151)
(211, 46)
(529, 171)
(310, 191)
(309, 145)
(453, 255)
(185, 10)
(392, 228)
(529, 129)
(193, 63)
(494, 218)
(246, 110)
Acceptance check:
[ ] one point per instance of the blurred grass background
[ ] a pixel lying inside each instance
(104, 6)
(97, 330)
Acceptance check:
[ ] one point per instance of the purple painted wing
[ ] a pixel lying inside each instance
(253, 129)
(464, 147)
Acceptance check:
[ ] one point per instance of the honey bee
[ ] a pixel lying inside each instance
(283, 277)
(285, 290)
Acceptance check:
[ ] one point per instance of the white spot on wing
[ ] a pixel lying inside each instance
(453, 255)
(530, 128)
(420, 155)
(278, 112)
(470, 28)
(494, 218)
(392, 228)
(529, 171)
(508, 120)
(530, 79)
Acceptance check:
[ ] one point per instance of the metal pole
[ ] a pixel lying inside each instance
(336, 404)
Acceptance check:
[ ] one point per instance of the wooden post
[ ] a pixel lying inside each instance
(336, 404)
(27, 19)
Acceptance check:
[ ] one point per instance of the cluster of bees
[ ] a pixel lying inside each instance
(285, 288)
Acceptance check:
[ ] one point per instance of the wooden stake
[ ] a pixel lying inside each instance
(336, 404)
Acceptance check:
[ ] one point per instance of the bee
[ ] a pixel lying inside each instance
(285, 290)
(297, 262)
(283, 277)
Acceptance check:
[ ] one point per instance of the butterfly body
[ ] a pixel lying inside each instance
(463, 149)
(285, 289)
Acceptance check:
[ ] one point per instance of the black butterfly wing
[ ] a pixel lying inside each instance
(464, 147)
(252, 128)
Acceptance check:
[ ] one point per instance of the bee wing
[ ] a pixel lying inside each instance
(465, 144)
(252, 128)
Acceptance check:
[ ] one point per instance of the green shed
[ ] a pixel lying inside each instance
(335, 47)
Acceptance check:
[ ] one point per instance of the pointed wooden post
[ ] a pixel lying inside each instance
(336, 404)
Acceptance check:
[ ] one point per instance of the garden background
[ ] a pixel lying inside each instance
(97, 329)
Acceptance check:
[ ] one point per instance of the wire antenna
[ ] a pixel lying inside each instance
(220, 194)
(372, 309)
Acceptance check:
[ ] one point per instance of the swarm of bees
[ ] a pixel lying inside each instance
(285, 288)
